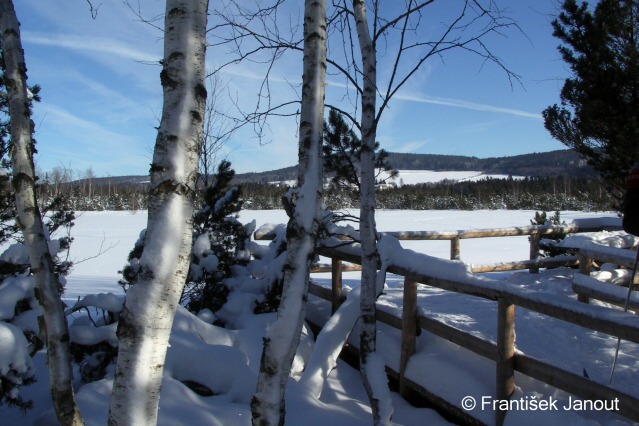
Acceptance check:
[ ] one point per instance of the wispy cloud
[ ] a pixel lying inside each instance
(459, 103)
(64, 136)
(89, 44)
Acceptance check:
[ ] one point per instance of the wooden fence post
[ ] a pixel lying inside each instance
(505, 354)
(454, 249)
(409, 331)
(336, 284)
(534, 251)
(585, 264)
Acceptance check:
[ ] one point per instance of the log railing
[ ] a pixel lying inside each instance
(502, 352)
(536, 232)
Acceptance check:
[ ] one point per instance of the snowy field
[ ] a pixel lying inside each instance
(414, 177)
(103, 240)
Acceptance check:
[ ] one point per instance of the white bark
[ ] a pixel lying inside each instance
(367, 212)
(30, 220)
(282, 339)
(145, 323)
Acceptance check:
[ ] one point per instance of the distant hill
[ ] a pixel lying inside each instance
(544, 164)
(119, 181)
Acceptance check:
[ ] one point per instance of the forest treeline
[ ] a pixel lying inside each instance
(534, 193)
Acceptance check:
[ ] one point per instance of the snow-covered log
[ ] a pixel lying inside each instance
(282, 339)
(30, 220)
(146, 320)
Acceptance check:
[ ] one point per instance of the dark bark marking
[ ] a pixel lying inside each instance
(200, 91)
(167, 81)
(156, 168)
(175, 12)
(196, 116)
(175, 56)
(170, 186)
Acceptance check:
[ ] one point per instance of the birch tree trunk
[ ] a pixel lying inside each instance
(368, 236)
(146, 321)
(282, 338)
(30, 221)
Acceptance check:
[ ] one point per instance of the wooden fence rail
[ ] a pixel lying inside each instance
(534, 263)
(502, 352)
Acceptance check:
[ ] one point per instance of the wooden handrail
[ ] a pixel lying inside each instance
(615, 323)
(533, 264)
(620, 324)
(502, 352)
(513, 231)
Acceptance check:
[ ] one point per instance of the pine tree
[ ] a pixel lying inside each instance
(342, 150)
(599, 103)
(218, 240)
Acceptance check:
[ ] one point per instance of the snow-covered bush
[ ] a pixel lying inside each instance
(19, 308)
(93, 340)
(219, 243)
(15, 366)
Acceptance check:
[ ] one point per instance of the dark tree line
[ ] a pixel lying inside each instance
(540, 193)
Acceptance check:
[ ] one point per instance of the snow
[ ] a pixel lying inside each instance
(414, 177)
(13, 350)
(227, 360)
(16, 253)
(12, 290)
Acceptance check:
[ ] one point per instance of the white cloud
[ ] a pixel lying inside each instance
(90, 44)
(459, 103)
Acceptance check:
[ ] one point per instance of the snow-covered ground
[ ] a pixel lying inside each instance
(103, 240)
(414, 177)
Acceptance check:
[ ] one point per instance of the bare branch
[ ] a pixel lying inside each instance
(153, 21)
(93, 10)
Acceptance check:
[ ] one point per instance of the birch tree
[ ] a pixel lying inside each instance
(30, 220)
(146, 321)
(467, 25)
(368, 125)
(353, 36)
(282, 339)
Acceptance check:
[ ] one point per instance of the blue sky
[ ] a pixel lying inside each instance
(102, 95)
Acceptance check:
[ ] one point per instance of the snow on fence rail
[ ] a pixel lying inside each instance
(534, 231)
(616, 323)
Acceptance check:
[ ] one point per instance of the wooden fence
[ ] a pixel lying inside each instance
(535, 232)
(502, 352)
(624, 325)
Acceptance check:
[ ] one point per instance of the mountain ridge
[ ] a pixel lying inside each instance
(544, 164)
